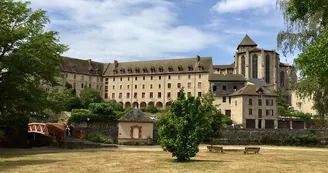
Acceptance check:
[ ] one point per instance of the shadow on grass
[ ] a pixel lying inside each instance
(200, 161)
(10, 153)
(10, 164)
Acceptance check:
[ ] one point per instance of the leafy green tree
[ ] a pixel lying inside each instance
(183, 128)
(90, 95)
(29, 58)
(282, 103)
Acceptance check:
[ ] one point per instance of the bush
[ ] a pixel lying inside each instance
(81, 115)
(98, 137)
(152, 109)
(143, 109)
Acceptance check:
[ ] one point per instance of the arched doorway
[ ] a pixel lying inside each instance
(143, 105)
(127, 105)
(121, 103)
(159, 104)
(168, 104)
(135, 105)
(151, 104)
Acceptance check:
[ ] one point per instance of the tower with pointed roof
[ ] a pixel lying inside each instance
(246, 44)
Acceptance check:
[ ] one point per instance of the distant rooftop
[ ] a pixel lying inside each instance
(247, 41)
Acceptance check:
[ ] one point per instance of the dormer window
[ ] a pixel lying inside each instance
(190, 68)
(115, 71)
(137, 70)
(180, 68)
(260, 92)
(170, 69)
(145, 70)
(130, 70)
(122, 71)
(160, 69)
(152, 69)
(200, 67)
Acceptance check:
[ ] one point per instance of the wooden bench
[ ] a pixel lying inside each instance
(255, 150)
(215, 149)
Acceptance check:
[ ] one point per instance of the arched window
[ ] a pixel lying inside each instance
(170, 68)
(180, 68)
(254, 66)
(190, 68)
(130, 70)
(282, 79)
(160, 69)
(152, 69)
(243, 66)
(267, 69)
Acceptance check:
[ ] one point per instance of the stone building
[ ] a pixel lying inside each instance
(158, 82)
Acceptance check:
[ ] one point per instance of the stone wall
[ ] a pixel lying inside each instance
(108, 129)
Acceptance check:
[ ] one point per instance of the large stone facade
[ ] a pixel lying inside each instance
(158, 82)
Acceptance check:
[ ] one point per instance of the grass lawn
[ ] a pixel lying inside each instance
(134, 161)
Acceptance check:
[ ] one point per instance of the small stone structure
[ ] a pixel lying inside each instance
(134, 128)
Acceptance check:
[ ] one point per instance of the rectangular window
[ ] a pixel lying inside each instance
(113, 95)
(127, 95)
(128, 78)
(179, 85)
(189, 85)
(260, 102)
(120, 95)
(128, 86)
(169, 85)
(143, 86)
(159, 95)
(229, 100)
(106, 95)
(82, 85)
(106, 80)
(89, 85)
(200, 76)
(224, 88)
(199, 85)
(113, 87)
(169, 95)
(159, 77)
(151, 86)
(151, 95)
(178, 94)
(106, 88)
(135, 95)
(120, 86)
(224, 99)
(189, 76)
(250, 102)
(199, 94)
(250, 111)
(169, 77)
(136, 78)
(143, 78)
(120, 78)
(143, 95)
(74, 76)
(151, 77)
(269, 112)
(135, 86)
(235, 87)
(159, 85)
(189, 94)
(259, 113)
(113, 79)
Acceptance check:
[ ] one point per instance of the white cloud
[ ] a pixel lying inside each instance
(224, 6)
(124, 30)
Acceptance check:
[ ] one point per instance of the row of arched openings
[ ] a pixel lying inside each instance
(153, 69)
(144, 104)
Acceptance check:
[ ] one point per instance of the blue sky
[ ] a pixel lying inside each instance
(133, 30)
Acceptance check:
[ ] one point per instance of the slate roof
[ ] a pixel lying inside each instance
(184, 65)
(247, 41)
(227, 77)
(135, 115)
(80, 66)
(253, 90)
(284, 65)
(258, 82)
(231, 66)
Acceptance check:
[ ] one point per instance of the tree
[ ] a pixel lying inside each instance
(282, 103)
(307, 30)
(29, 58)
(90, 95)
(183, 128)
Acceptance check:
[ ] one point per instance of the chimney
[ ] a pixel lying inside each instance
(115, 63)
(198, 58)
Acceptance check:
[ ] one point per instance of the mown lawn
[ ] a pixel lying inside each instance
(111, 161)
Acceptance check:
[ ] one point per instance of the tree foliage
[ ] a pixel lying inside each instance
(29, 58)
(90, 95)
(185, 125)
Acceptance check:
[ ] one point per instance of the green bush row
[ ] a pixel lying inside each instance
(98, 137)
(288, 139)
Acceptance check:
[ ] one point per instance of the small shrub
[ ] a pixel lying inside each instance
(98, 137)
(152, 109)
(143, 109)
